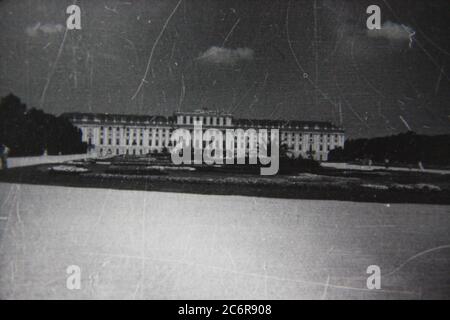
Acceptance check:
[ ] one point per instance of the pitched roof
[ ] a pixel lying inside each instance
(106, 119)
(287, 124)
(116, 118)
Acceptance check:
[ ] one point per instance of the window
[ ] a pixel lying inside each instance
(117, 141)
(101, 141)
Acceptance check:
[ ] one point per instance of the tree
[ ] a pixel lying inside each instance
(29, 133)
(310, 153)
(336, 155)
(12, 118)
(403, 148)
(284, 151)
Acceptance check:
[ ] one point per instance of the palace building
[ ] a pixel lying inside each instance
(116, 134)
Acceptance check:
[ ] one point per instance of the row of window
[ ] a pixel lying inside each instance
(205, 120)
(329, 137)
(134, 142)
(109, 151)
(135, 132)
(204, 144)
(283, 135)
(165, 133)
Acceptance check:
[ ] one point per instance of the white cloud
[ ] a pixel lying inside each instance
(393, 31)
(219, 55)
(47, 28)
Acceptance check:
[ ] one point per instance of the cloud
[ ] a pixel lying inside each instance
(47, 28)
(393, 31)
(219, 55)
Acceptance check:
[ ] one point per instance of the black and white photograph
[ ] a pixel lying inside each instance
(241, 150)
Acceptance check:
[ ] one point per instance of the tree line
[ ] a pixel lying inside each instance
(407, 148)
(33, 132)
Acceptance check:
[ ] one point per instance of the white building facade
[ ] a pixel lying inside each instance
(114, 134)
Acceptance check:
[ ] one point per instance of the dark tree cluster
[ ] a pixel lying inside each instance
(32, 132)
(407, 148)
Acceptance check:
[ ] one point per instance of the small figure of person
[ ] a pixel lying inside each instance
(386, 163)
(4, 150)
(421, 168)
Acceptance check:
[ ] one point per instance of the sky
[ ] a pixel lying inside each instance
(265, 59)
